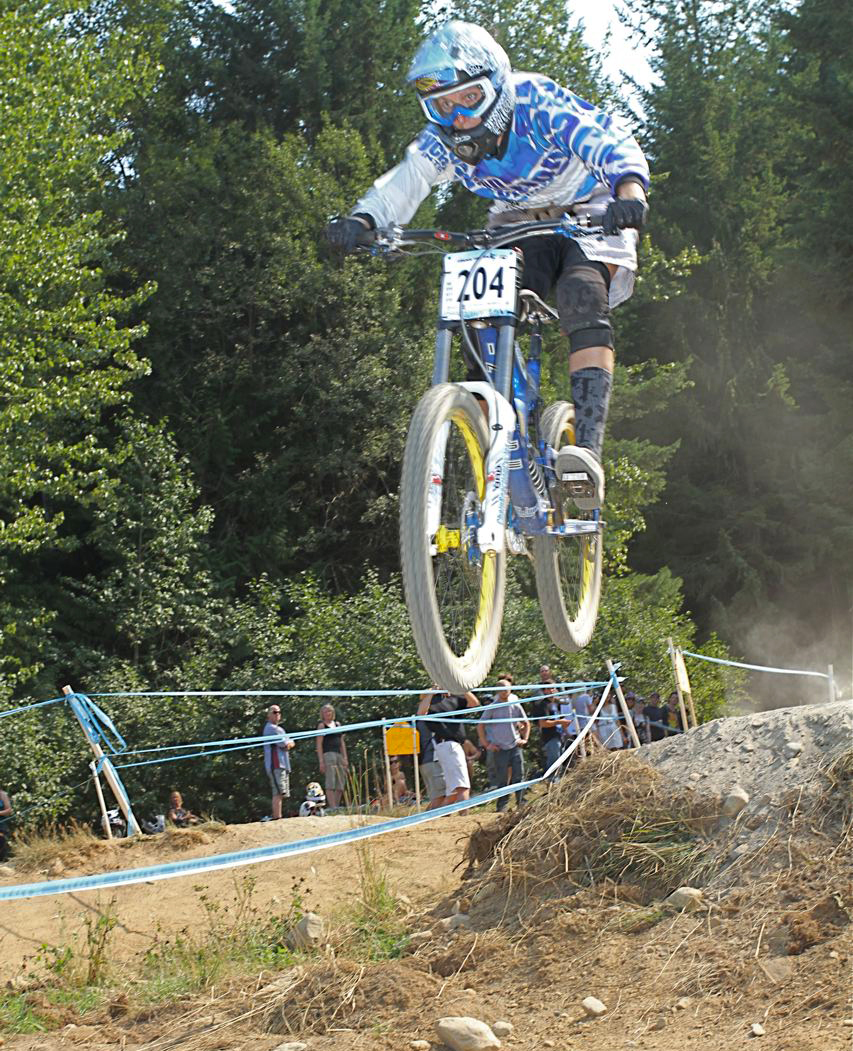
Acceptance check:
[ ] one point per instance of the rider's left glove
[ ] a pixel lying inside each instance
(622, 213)
(347, 233)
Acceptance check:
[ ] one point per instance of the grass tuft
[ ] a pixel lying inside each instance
(38, 849)
(377, 927)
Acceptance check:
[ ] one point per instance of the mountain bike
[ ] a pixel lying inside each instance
(478, 479)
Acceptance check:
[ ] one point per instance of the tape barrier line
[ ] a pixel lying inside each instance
(30, 707)
(248, 743)
(256, 855)
(756, 667)
(324, 693)
(299, 735)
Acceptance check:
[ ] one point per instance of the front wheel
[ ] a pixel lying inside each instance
(454, 591)
(568, 568)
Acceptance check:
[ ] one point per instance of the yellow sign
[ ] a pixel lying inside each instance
(400, 740)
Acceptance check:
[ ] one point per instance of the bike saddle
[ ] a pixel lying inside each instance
(535, 309)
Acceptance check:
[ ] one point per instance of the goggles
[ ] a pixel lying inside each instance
(471, 99)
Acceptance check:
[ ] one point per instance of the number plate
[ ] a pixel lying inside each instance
(486, 283)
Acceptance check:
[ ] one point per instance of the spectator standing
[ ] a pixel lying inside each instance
(5, 817)
(584, 706)
(641, 723)
(277, 759)
(430, 768)
(551, 726)
(449, 735)
(178, 813)
(657, 716)
(505, 740)
(673, 713)
(608, 727)
(332, 757)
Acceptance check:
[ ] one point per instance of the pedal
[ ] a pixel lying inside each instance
(578, 484)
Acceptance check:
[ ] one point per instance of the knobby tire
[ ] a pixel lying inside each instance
(455, 603)
(568, 569)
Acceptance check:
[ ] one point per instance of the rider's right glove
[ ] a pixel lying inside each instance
(346, 233)
(622, 213)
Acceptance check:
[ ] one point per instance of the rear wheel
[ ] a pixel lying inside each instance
(568, 568)
(454, 591)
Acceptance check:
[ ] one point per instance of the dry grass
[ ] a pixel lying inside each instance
(71, 845)
(835, 802)
(613, 819)
(335, 992)
(74, 845)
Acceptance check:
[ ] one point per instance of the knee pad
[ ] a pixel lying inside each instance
(583, 304)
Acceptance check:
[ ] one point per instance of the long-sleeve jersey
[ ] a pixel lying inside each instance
(560, 151)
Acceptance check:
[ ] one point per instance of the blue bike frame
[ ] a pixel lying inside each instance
(518, 381)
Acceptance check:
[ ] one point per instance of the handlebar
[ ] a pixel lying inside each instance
(392, 238)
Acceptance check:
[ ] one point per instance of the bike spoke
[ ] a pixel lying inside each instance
(457, 579)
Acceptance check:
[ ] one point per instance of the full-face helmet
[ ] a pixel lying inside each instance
(462, 70)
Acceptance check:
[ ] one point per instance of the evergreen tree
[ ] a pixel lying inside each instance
(750, 518)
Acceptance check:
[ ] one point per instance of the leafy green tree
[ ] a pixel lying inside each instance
(150, 603)
(66, 354)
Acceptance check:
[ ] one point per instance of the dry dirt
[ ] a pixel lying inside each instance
(417, 861)
(564, 901)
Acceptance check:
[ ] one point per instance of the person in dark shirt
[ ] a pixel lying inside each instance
(430, 768)
(551, 730)
(332, 757)
(658, 717)
(178, 813)
(448, 736)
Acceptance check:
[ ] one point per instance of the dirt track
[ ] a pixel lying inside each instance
(418, 861)
(770, 944)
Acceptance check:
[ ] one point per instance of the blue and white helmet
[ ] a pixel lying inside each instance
(456, 56)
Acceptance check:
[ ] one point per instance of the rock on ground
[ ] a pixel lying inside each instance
(735, 801)
(309, 932)
(685, 898)
(593, 1007)
(466, 1034)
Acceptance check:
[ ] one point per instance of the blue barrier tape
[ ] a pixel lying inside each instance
(16, 815)
(267, 741)
(756, 667)
(30, 707)
(298, 735)
(326, 693)
(103, 880)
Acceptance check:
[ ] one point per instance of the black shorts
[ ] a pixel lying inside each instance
(548, 259)
(552, 262)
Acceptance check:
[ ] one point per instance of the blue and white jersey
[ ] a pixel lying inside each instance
(561, 151)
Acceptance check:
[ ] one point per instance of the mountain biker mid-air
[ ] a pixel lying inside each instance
(537, 150)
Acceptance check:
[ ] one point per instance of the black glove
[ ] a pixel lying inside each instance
(622, 213)
(346, 233)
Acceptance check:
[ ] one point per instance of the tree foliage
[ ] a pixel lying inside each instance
(203, 413)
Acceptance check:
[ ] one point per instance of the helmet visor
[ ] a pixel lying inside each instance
(472, 99)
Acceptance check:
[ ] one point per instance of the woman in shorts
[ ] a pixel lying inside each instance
(332, 756)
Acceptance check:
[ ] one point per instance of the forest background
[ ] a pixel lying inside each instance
(202, 413)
